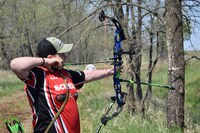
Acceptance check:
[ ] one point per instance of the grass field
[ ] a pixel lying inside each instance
(95, 96)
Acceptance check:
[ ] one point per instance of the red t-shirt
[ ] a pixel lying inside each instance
(44, 90)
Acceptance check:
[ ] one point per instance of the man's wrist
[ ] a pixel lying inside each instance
(43, 62)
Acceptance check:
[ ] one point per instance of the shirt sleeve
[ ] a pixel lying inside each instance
(34, 74)
(78, 78)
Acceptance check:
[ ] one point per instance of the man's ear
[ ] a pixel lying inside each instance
(50, 56)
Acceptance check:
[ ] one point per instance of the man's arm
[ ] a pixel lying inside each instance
(22, 65)
(91, 75)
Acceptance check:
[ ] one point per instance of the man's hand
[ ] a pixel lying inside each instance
(118, 69)
(53, 64)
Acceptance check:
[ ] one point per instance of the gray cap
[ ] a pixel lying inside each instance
(51, 46)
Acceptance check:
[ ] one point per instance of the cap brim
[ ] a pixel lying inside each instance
(66, 48)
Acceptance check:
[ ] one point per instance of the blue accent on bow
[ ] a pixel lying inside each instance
(117, 63)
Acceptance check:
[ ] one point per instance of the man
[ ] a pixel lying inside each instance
(47, 82)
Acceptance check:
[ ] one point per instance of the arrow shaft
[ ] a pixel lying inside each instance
(85, 63)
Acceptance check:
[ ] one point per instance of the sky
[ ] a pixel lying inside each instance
(194, 42)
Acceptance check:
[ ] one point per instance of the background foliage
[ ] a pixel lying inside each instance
(24, 23)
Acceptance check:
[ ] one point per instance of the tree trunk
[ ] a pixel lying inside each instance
(129, 58)
(4, 60)
(176, 67)
(138, 54)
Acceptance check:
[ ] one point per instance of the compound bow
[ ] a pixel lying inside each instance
(120, 96)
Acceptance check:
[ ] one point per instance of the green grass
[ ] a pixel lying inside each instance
(192, 97)
(92, 105)
(9, 83)
(95, 97)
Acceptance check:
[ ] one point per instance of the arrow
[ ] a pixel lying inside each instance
(85, 63)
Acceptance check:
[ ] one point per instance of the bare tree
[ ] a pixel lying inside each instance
(138, 58)
(25, 22)
(130, 59)
(176, 63)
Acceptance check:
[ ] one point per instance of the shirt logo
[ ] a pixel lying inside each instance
(53, 77)
(64, 87)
